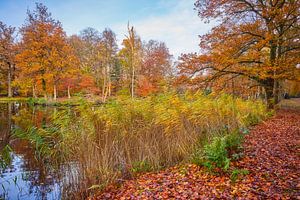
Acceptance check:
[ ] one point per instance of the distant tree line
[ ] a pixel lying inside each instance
(44, 61)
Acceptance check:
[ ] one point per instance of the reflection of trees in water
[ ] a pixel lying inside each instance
(5, 123)
(29, 116)
(39, 174)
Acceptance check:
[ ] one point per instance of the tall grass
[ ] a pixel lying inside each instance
(111, 142)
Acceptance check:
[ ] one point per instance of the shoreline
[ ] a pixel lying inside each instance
(50, 102)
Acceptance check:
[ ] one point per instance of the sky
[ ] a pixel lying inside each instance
(174, 22)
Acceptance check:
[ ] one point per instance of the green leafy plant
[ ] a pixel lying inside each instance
(220, 151)
(5, 157)
(216, 155)
(141, 166)
(233, 142)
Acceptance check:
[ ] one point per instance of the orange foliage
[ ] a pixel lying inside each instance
(254, 40)
(45, 57)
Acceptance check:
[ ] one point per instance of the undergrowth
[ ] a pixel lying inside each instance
(126, 136)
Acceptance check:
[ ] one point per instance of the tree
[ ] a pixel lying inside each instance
(109, 42)
(98, 54)
(254, 39)
(62, 59)
(7, 53)
(155, 66)
(45, 55)
(92, 55)
(131, 55)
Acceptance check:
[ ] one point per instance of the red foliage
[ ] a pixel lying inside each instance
(145, 87)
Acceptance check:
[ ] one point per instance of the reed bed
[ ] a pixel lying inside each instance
(115, 141)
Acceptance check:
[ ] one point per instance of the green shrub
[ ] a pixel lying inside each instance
(220, 151)
(216, 155)
(31, 101)
(141, 166)
(233, 141)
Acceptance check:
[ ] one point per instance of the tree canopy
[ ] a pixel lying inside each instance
(256, 40)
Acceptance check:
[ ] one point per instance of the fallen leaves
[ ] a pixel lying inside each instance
(271, 156)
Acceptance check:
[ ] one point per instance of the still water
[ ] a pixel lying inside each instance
(23, 176)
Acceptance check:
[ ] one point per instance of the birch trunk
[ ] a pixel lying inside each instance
(9, 75)
(69, 93)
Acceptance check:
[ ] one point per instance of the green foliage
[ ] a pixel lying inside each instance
(12, 99)
(36, 101)
(141, 166)
(216, 155)
(5, 158)
(220, 151)
(236, 173)
(31, 101)
(233, 140)
(47, 138)
(252, 119)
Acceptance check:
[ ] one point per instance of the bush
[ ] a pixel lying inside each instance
(216, 155)
(220, 151)
(233, 141)
(141, 166)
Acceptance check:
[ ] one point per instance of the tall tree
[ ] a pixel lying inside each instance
(109, 42)
(92, 55)
(155, 67)
(62, 60)
(255, 39)
(7, 54)
(131, 55)
(33, 58)
(45, 55)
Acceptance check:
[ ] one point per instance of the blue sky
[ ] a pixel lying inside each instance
(172, 21)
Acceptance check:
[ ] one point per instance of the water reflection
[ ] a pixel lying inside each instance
(24, 176)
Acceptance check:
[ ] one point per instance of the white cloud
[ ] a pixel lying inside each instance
(179, 28)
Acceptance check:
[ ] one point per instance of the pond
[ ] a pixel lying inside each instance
(22, 174)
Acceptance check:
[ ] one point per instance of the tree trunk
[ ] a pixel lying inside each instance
(269, 96)
(104, 87)
(9, 90)
(54, 92)
(232, 87)
(132, 79)
(132, 84)
(44, 88)
(109, 82)
(276, 91)
(258, 92)
(69, 93)
(33, 91)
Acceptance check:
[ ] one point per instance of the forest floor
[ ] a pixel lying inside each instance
(271, 156)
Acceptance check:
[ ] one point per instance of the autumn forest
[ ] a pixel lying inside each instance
(99, 118)
(259, 47)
